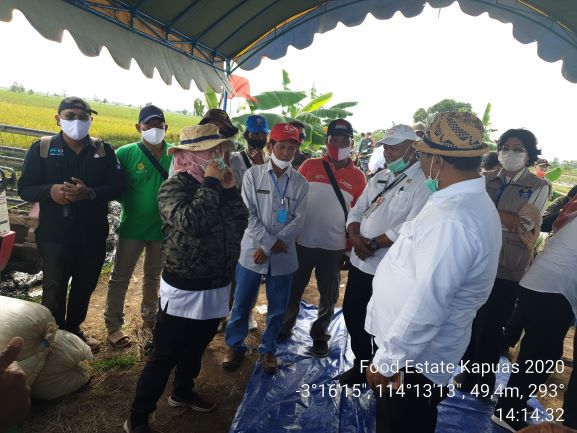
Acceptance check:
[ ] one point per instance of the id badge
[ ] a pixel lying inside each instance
(282, 216)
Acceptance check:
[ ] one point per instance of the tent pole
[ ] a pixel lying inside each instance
(225, 95)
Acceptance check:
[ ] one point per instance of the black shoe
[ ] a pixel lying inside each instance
(353, 376)
(511, 425)
(283, 336)
(196, 402)
(320, 348)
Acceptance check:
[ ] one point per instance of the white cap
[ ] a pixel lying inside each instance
(397, 134)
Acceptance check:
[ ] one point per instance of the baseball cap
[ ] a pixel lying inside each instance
(150, 112)
(340, 127)
(72, 102)
(257, 123)
(397, 134)
(284, 132)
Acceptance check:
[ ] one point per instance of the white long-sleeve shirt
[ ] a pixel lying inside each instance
(555, 269)
(430, 284)
(386, 216)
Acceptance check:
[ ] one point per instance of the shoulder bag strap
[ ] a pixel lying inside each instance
(153, 160)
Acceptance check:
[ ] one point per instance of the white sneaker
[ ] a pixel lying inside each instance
(252, 323)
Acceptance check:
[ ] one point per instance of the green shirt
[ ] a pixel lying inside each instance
(140, 218)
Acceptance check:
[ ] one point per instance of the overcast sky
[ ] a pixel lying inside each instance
(390, 67)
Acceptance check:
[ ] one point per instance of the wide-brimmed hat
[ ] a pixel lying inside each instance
(454, 134)
(201, 137)
(216, 114)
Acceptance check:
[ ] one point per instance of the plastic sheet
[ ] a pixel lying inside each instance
(304, 397)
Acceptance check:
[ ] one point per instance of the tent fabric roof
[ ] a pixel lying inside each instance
(203, 40)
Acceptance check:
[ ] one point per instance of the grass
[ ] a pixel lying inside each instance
(118, 362)
(114, 123)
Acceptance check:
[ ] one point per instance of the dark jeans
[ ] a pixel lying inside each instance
(327, 266)
(487, 332)
(61, 262)
(570, 402)
(411, 412)
(357, 296)
(513, 329)
(546, 318)
(177, 342)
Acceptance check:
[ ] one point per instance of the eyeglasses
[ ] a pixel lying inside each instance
(72, 116)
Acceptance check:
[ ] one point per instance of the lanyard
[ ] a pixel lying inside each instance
(282, 195)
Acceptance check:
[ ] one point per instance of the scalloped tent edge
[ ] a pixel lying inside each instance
(191, 41)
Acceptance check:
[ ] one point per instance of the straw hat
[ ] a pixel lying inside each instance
(454, 134)
(201, 137)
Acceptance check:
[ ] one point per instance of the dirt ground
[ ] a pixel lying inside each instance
(103, 404)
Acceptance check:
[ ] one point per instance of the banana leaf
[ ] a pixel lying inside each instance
(331, 113)
(554, 174)
(211, 98)
(316, 103)
(343, 105)
(279, 98)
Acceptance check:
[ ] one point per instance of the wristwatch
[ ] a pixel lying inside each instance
(374, 244)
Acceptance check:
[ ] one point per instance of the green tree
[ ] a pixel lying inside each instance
(199, 108)
(426, 115)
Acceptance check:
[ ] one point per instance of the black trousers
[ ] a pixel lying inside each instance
(546, 318)
(62, 262)
(487, 332)
(570, 402)
(357, 296)
(327, 266)
(177, 342)
(411, 412)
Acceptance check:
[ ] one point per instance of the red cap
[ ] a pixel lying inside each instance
(284, 132)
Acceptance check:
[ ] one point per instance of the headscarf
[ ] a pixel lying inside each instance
(567, 214)
(190, 162)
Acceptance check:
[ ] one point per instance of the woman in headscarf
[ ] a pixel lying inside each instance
(203, 218)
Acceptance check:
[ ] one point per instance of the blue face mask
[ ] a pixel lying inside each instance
(400, 164)
(432, 184)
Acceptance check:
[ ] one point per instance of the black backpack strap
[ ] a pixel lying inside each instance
(245, 159)
(336, 188)
(153, 160)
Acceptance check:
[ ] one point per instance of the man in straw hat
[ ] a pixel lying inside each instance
(203, 220)
(430, 284)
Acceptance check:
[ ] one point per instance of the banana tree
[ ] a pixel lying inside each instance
(314, 113)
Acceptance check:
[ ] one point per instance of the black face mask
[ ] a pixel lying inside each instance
(256, 143)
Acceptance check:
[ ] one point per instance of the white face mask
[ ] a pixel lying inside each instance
(279, 162)
(153, 136)
(344, 153)
(75, 129)
(512, 161)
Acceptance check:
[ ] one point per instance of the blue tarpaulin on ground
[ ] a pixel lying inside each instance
(304, 395)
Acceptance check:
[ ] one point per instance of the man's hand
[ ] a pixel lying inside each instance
(77, 191)
(213, 170)
(361, 246)
(279, 247)
(14, 393)
(57, 194)
(259, 256)
(376, 379)
(547, 428)
(228, 180)
(257, 155)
